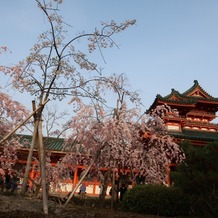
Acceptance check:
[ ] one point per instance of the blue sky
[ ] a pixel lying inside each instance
(173, 43)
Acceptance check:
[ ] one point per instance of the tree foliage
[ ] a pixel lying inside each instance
(11, 114)
(119, 136)
(198, 177)
(57, 67)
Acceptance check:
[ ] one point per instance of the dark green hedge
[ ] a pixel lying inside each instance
(156, 200)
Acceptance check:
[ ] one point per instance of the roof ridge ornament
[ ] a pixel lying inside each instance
(196, 82)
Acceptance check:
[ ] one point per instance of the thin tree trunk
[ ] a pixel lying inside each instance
(29, 160)
(35, 194)
(113, 190)
(106, 183)
(42, 168)
(37, 185)
(118, 187)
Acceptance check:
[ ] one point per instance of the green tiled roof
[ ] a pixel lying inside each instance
(56, 144)
(196, 135)
(173, 93)
(184, 99)
(184, 96)
(52, 144)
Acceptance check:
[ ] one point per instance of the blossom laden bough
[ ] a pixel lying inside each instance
(57, 68)
(11, 114)
(119, 139)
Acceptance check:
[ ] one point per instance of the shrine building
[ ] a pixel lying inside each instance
(197, 109)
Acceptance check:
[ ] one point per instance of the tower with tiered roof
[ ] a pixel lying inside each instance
(197, 109)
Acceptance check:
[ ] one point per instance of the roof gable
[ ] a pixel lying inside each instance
(174, 95)
(197, 91)
(189, 98)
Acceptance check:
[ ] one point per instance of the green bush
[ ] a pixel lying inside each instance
(197, 178)
(156, 200)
